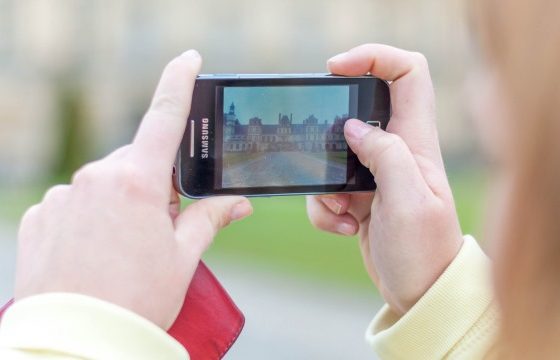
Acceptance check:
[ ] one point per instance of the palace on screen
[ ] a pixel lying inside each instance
(310, 135)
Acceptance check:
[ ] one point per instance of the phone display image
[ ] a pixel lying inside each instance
(277, 134)
(285, 135)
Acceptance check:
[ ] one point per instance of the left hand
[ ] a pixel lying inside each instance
(116, 232)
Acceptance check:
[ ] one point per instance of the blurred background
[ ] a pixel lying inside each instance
(76, 77)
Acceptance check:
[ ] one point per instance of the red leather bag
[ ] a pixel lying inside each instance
(209, 321)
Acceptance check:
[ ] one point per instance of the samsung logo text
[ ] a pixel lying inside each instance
(204, 152)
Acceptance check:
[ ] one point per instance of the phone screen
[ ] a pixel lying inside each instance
(285, 135)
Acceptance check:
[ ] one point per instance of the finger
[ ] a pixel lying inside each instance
(28, 221)
(119, 153)
(412, 94)
(325, 219)
(197, 225)
(160, 133)
(357, 204)
(56, 194)
(383, 61)
(388, 158)
(360, 205)
(337, 203)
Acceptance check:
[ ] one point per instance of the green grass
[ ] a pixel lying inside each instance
(15, 200)
(278, 235)
(469, 191)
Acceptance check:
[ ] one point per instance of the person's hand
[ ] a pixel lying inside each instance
(116, 232)
(408, 229)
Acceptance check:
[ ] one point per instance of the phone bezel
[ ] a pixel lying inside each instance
(194, 177)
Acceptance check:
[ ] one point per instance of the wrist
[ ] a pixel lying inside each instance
(409, 289)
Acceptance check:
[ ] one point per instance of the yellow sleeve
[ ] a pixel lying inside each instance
(63, 325)
(455, 319)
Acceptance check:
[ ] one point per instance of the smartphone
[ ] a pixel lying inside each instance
(276, 134)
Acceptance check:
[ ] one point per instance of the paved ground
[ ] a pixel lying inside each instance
(286, 318)
(284, 169)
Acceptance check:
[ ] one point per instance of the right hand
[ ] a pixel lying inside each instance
(409, 231)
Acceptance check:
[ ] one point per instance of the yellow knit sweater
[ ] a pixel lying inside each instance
(455, 319)
(70, 326)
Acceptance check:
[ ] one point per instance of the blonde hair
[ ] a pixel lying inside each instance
(521, 41)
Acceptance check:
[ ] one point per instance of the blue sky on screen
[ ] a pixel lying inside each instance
(325, 102)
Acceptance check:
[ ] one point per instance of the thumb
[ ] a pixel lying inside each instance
(389, 159)
(198, 224)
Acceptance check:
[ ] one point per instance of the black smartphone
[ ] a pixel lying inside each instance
(276, 134)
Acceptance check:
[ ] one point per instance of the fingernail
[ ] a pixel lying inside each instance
(346, 229)
(356, 129)
(241, 210)
(332, 204)
(337, 58)
(192, 53)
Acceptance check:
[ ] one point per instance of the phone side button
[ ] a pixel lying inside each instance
(192, 140)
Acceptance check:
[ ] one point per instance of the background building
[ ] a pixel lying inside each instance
(109, 53)
(285, 135)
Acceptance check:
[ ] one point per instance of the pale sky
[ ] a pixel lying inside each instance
(323, 101)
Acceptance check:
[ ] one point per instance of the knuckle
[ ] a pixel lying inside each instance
(388, 143)
(29, 216)
(371, 47)
(312, 211)
(419, 60)
(218, 219)
(319, 219)
(55, 194)
(120, 152)
(320, 223)
(85, 174)
(206, 222)
(166, 105)
(211, 214)
(315, 221)
(380, 146)
(313, 218)
(129, 178)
